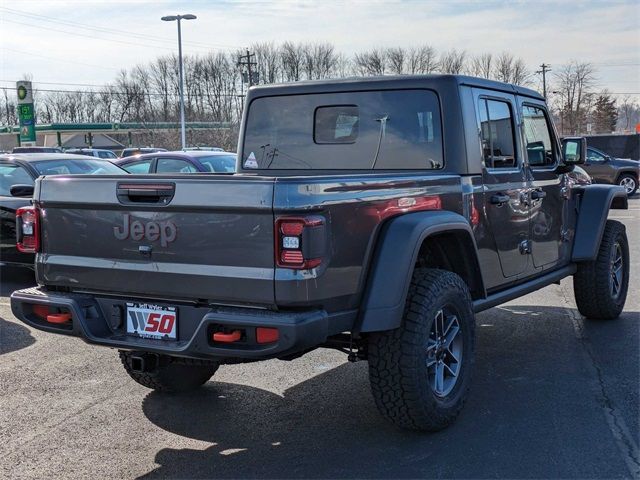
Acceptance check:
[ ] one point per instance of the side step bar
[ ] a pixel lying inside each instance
(504, 296)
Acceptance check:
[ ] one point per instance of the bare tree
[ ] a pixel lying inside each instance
(575, 83)
(373, 62)
(422, 59)
(396, 58)
(268, 62)
(292, 60)
(452, 61)
(482, 66)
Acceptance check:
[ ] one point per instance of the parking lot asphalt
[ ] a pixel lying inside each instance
(554, 395)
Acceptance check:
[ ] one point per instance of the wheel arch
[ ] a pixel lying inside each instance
(594, 206)
(432, 239)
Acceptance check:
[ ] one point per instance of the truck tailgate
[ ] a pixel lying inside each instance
(205, 238)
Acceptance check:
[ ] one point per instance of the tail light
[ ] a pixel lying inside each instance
(28, 229)
(300, 242)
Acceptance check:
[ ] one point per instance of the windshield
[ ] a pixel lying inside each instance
(76, 167)
(219, 163)
(385, 129)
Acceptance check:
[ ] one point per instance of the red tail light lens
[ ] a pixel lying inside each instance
(28, 229)
(299, 242)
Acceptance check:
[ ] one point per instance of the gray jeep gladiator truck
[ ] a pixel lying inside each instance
(373, 216)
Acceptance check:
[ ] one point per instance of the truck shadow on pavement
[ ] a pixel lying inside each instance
(531, 412)
(14, 336)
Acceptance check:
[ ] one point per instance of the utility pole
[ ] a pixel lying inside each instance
(544, 69)
(247, 60)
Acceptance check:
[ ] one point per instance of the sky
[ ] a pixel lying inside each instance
(65, 42)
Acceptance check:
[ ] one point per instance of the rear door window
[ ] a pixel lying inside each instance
(140, 167)
(386, 129)
(174, 165)
(496, 134)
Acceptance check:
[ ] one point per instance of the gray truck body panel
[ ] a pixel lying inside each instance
(209, 245)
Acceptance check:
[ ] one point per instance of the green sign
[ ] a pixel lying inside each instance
(27, 123)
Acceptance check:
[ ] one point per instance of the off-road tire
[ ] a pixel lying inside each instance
(591, 285)
(398, 358)
(626, 176)
(171, 375)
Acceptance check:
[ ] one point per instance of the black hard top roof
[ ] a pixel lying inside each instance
(388, 81)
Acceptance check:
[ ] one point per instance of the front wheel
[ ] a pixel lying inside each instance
(420, 372)
(600, 286)
(629, 183)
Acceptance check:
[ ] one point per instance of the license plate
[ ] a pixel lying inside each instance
(152, 321)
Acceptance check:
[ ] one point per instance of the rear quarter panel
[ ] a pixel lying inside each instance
(355, 208)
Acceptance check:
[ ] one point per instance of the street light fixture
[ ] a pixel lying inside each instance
(178, 18)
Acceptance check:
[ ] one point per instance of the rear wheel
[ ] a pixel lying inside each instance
(601, 286)
(629, 183)
(167, 374)
(420, 372)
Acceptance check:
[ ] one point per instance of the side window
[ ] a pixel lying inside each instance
(12, 175)
(496, 133)
(537, 136)
(594, 157)
(106, 155)
(138, 167)
(174, 165)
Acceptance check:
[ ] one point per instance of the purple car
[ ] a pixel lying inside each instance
(180, 162)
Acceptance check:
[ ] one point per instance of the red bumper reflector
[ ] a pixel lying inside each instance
(267, 335)
(58, 317)
(227, 337)
(41, 311)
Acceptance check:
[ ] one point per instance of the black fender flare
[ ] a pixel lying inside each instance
(393, 262)
(595, 202)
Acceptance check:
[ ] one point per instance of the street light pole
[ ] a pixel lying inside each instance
(178, 18)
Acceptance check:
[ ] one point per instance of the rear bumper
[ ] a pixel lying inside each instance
(95, 320)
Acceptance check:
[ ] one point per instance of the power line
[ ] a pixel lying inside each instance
(114, 92)
(93, 37)
(112, 31)
(57, 59)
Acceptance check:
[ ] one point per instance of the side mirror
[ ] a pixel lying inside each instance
(574, 150)
(20, 190)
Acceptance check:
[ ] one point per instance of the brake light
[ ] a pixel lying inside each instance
(28, 229)
(300, 242)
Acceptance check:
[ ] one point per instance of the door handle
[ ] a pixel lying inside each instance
(499, 198)
(538, 194)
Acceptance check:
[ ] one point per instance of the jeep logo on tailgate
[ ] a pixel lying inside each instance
(152, 231)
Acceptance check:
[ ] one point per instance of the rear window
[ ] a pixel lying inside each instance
(388, 129)
(219, 163)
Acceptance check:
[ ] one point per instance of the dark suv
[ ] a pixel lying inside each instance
(375, 217)
(604, 168)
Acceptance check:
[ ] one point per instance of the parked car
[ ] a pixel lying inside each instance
(17, 177)
(127, 152)
(604, 168)
(368, 219)
(579, 176)
(36, 150)
(180, 162)
(93, 152)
